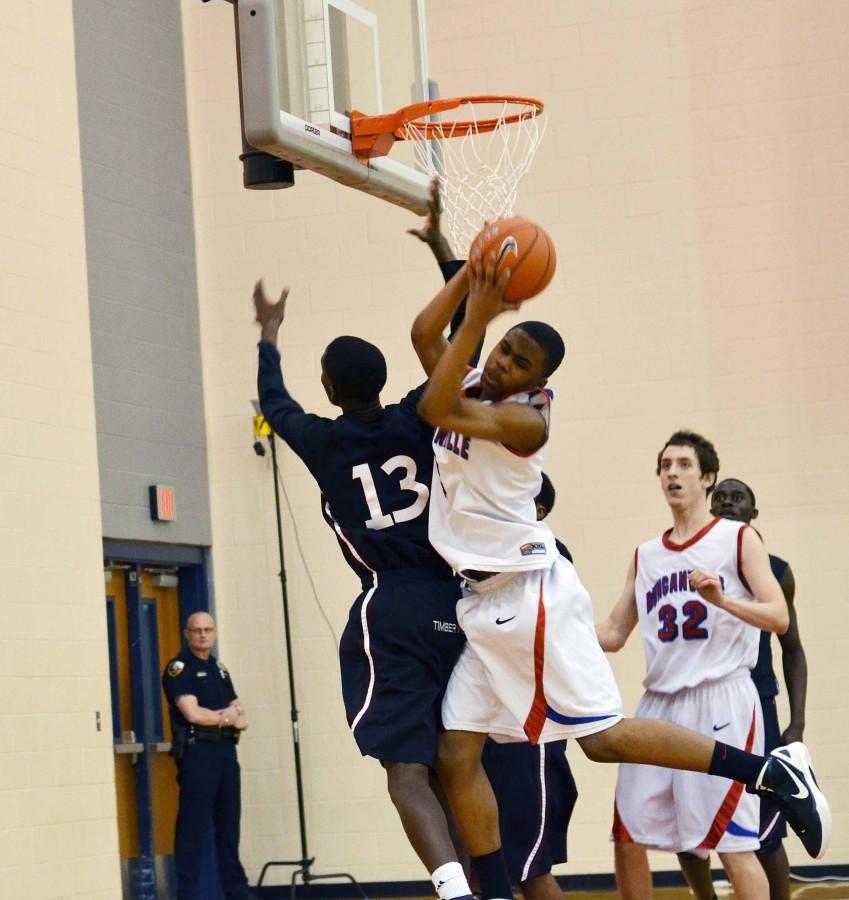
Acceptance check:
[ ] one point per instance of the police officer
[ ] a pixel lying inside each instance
(207, 719)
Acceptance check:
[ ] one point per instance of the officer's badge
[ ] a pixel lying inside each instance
(175, 667)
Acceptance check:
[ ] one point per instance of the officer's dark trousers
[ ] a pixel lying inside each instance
(208, 775)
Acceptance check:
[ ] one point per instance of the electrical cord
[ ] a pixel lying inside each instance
(304, 560)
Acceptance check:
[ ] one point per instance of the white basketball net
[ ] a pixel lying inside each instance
(479, 172)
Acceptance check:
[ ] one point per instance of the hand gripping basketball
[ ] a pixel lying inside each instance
(524, 249)
(486, 289)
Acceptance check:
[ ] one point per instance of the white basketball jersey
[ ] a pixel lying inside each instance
(687, 640)
(482, 510)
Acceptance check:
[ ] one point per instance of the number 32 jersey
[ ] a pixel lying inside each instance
(688, 641)
(374, 474)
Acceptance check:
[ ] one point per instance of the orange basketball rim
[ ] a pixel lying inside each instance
(373, 136)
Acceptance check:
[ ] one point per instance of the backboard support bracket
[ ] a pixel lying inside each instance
(269, 129)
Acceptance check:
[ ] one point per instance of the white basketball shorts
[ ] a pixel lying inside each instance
(532, 668)
(675, 810)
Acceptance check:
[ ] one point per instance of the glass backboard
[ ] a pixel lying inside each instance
(305, 64)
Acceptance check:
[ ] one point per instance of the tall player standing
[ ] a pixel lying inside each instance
(373, 465)
(700, 592)
(733, 499)
(518, 675)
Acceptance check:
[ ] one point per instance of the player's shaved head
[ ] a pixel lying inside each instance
(356, 369)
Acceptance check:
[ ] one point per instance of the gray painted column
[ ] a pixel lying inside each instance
(140, 251)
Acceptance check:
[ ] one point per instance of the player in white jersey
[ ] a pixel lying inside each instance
(532, 668)
(700, 592)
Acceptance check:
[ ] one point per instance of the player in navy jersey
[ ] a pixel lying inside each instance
(734, 499)
(373, 465)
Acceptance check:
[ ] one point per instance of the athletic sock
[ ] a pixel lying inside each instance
(494, 880)
(450, 881)
(731, 762)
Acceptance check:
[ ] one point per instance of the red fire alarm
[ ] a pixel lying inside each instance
(162, 505)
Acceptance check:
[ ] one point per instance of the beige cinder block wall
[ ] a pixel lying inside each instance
(694, 177)
(58, 837)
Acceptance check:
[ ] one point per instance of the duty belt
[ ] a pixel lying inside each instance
(214, 735)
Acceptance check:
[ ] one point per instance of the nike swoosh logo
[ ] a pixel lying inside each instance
(508, 245)
(504, 621)
(720, 727)
(803, 790)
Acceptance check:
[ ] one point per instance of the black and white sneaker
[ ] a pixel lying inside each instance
(787, 779)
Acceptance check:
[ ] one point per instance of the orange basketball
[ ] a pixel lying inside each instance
(523, 247)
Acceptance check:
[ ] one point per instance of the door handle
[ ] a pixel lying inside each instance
(132, 748)
(160, 747)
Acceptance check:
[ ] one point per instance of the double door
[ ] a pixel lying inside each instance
(148, 597)
(143, 620)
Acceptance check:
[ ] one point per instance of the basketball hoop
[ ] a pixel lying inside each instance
(479, 169)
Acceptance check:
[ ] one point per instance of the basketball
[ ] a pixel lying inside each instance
(525, 249)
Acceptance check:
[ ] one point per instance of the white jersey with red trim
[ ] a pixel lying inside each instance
(482, 511)
(688, 641)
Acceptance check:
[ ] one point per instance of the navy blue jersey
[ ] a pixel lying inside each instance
(763, 673)
(374, 475)
(563, 550)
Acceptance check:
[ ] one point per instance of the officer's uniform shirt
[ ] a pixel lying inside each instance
(207, 679)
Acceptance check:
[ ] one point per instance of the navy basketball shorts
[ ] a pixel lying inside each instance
(536, 794)
(773, 826)
(396, 655)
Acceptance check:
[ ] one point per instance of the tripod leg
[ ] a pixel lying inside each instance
(346, 875)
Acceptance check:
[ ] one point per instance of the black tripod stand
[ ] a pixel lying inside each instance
(304, 864)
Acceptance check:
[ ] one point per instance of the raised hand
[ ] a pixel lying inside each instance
(431, 232)
(269, 315)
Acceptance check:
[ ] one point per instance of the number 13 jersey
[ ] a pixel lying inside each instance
(374, 474)
(688, 641)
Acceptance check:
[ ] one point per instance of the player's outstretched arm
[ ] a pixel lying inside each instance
(428, 331)
(431, 232)
(615, 629)
(769, 612)
(518, 426)
(794, 663)
(282, 412)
